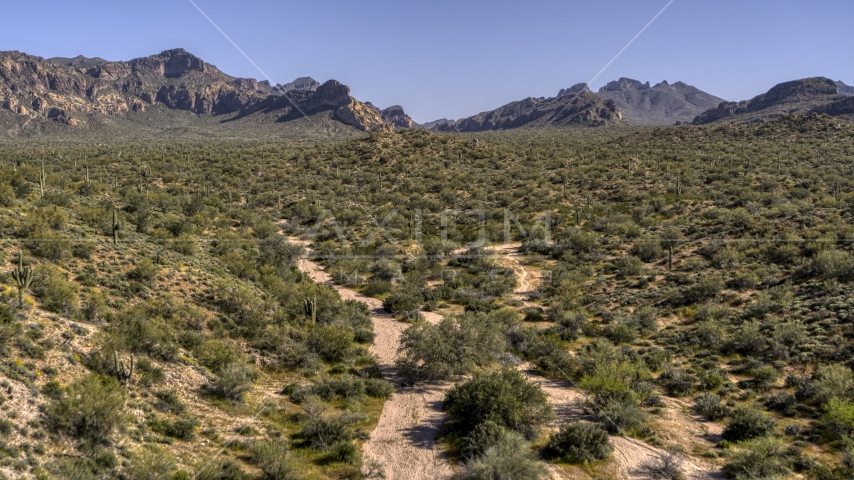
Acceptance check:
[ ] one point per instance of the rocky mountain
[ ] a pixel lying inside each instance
(396, 117)
(570, 109)
(434, 123)
(845, 89)
(76, 91)
(662, 104)
(809, 95)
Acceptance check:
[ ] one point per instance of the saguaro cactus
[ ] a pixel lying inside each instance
(311, 309)
(42, 180)
(115, 226)
(23, 276)
(123, 373)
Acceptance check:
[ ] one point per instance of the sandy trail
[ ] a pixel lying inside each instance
(629, 454)
(403, 442)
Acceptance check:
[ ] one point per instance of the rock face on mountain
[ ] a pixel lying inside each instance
(662, 104)
(582, 109)
(302, 83)
(431, 125)
(574, 90)
(72, 90)
(845, 89)
(809, 95)
(396, 117)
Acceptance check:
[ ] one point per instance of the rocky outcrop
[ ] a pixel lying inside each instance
(396, 117)
(799, 96)
(63, 89)
(303, 83)
(583, 109)
(662, 104)
(574, 90)
(845, 89)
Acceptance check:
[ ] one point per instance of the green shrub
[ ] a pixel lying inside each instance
(91, 410)
(837, 422)
(150, 463)
(579, 442)
(509, 458)
(225, 469)
(833, 380)
(762, 458)
(482, 437)
(273, 458)
(55, 291)
(404, 301)
(323, 432)
(621, 415)
(379, 388)
(232, 382)
(182, 429)
(648, 251)
(748, 423)
(455, 346)
(506, 398)
(710, 406)
(333, 342)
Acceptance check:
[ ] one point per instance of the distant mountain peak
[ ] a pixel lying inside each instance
(574, 90)
(663, 104)
(845, 89)
(623, 84)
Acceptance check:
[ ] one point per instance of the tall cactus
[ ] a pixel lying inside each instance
(115, 226)
(311, 309)
(123, 373)
(42, 180)
(23, 276)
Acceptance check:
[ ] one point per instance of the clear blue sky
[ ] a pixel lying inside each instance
(443, 58)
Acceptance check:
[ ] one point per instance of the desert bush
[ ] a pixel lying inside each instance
(324, 431)
(276, 251)
(748, 423)
(579, 442)
(668, 466)
(404, 301)
(225, 469)
(150, 462)
(332, 343)
(837, 422)
(379, 388)
(710, 406)
(757, 459)
(182, 428)
(833, 380)
(648, 251)
(621, 415)
(483, 436)
(56, 292)
(91, 410)
(454, 346)
(273, 458)
(505, 397)
(508, 458)
(232, 382)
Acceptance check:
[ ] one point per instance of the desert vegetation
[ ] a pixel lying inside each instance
(154, 321)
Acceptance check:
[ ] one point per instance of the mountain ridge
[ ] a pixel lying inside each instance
(661, 104)
(74, 91)
(803, 96)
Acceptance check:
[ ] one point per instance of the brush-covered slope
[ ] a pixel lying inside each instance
(662, 104)
(79, 91)
(809, 95)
